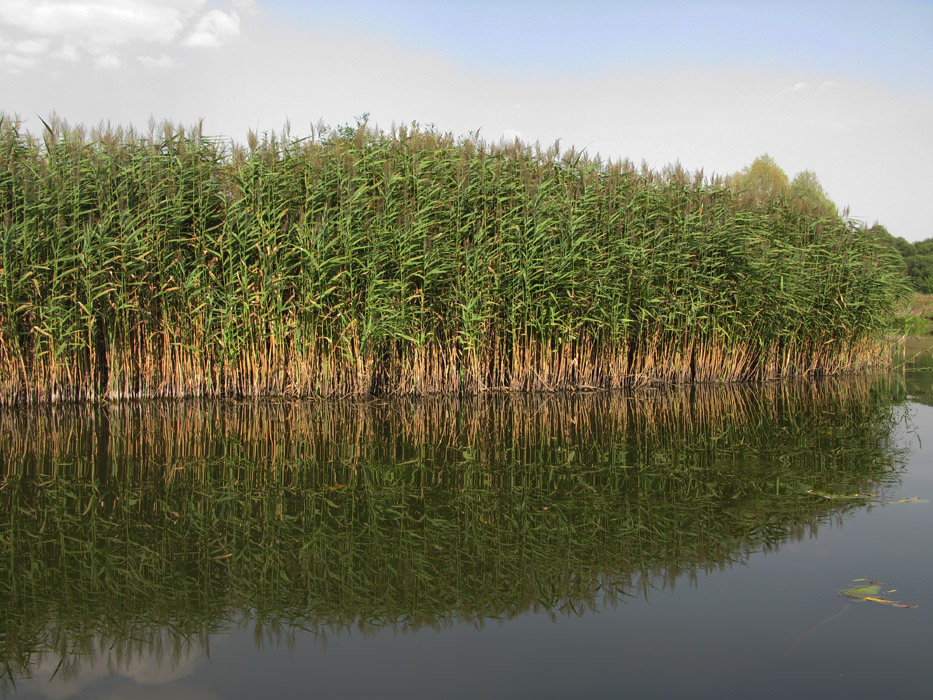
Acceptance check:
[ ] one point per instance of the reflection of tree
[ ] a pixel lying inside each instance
(915, 356)
(129, 523)
(920, 387)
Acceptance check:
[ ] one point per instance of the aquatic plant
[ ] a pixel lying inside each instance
(358, 262)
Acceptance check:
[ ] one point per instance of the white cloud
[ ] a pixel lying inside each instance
(66, 52)
(248, 6)
(107, 61)
(214, 28)
(15, 62)
(160, 62)
(804, 86)
(104, 30)
(100, 22)
(31, 47)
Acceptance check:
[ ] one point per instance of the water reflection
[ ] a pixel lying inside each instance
(155, 663)
(134, 532)
(917, 354)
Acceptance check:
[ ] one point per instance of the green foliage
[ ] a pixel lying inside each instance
(916, 258)
(920, 272)
(762, 182)
(913, 325)
(358, 261)
(806, 193)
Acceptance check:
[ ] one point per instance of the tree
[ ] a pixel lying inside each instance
(920, 272)
(763, 181)
(806, 193)
(901, 245)
(918, 257)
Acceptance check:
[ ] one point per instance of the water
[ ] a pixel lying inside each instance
(657, 544)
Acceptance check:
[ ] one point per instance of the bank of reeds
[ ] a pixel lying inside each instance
(357, 261)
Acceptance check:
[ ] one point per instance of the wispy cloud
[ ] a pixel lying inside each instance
(66, 52)
(248, 6)
(157, 63)
(107, 61)
(40, 31)
(31, 47)
(803, 86)
(100, 22)
(214, 29)
(16, 63)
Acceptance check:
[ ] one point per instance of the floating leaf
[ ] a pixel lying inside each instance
(862, 592)
(872, 593)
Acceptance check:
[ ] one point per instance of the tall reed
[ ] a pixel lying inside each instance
(356, 261)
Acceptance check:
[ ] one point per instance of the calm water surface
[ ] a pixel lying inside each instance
(659, 544)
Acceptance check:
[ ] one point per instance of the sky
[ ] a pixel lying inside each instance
(844, 89)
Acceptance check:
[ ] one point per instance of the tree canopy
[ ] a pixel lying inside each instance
(807, 193)
(918, 257)
(763, 181)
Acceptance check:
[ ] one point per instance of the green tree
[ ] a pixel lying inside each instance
(884, 236)
(763, 181)
(920, 272)
(807, 194)
(918, 257)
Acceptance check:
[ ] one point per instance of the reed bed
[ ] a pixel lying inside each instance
(361, 262)
(146, 520)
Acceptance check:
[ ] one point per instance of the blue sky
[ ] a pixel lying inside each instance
(884, 41)
(843, 89)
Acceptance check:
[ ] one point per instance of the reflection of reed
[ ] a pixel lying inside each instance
(118, 522)
(156, 440)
